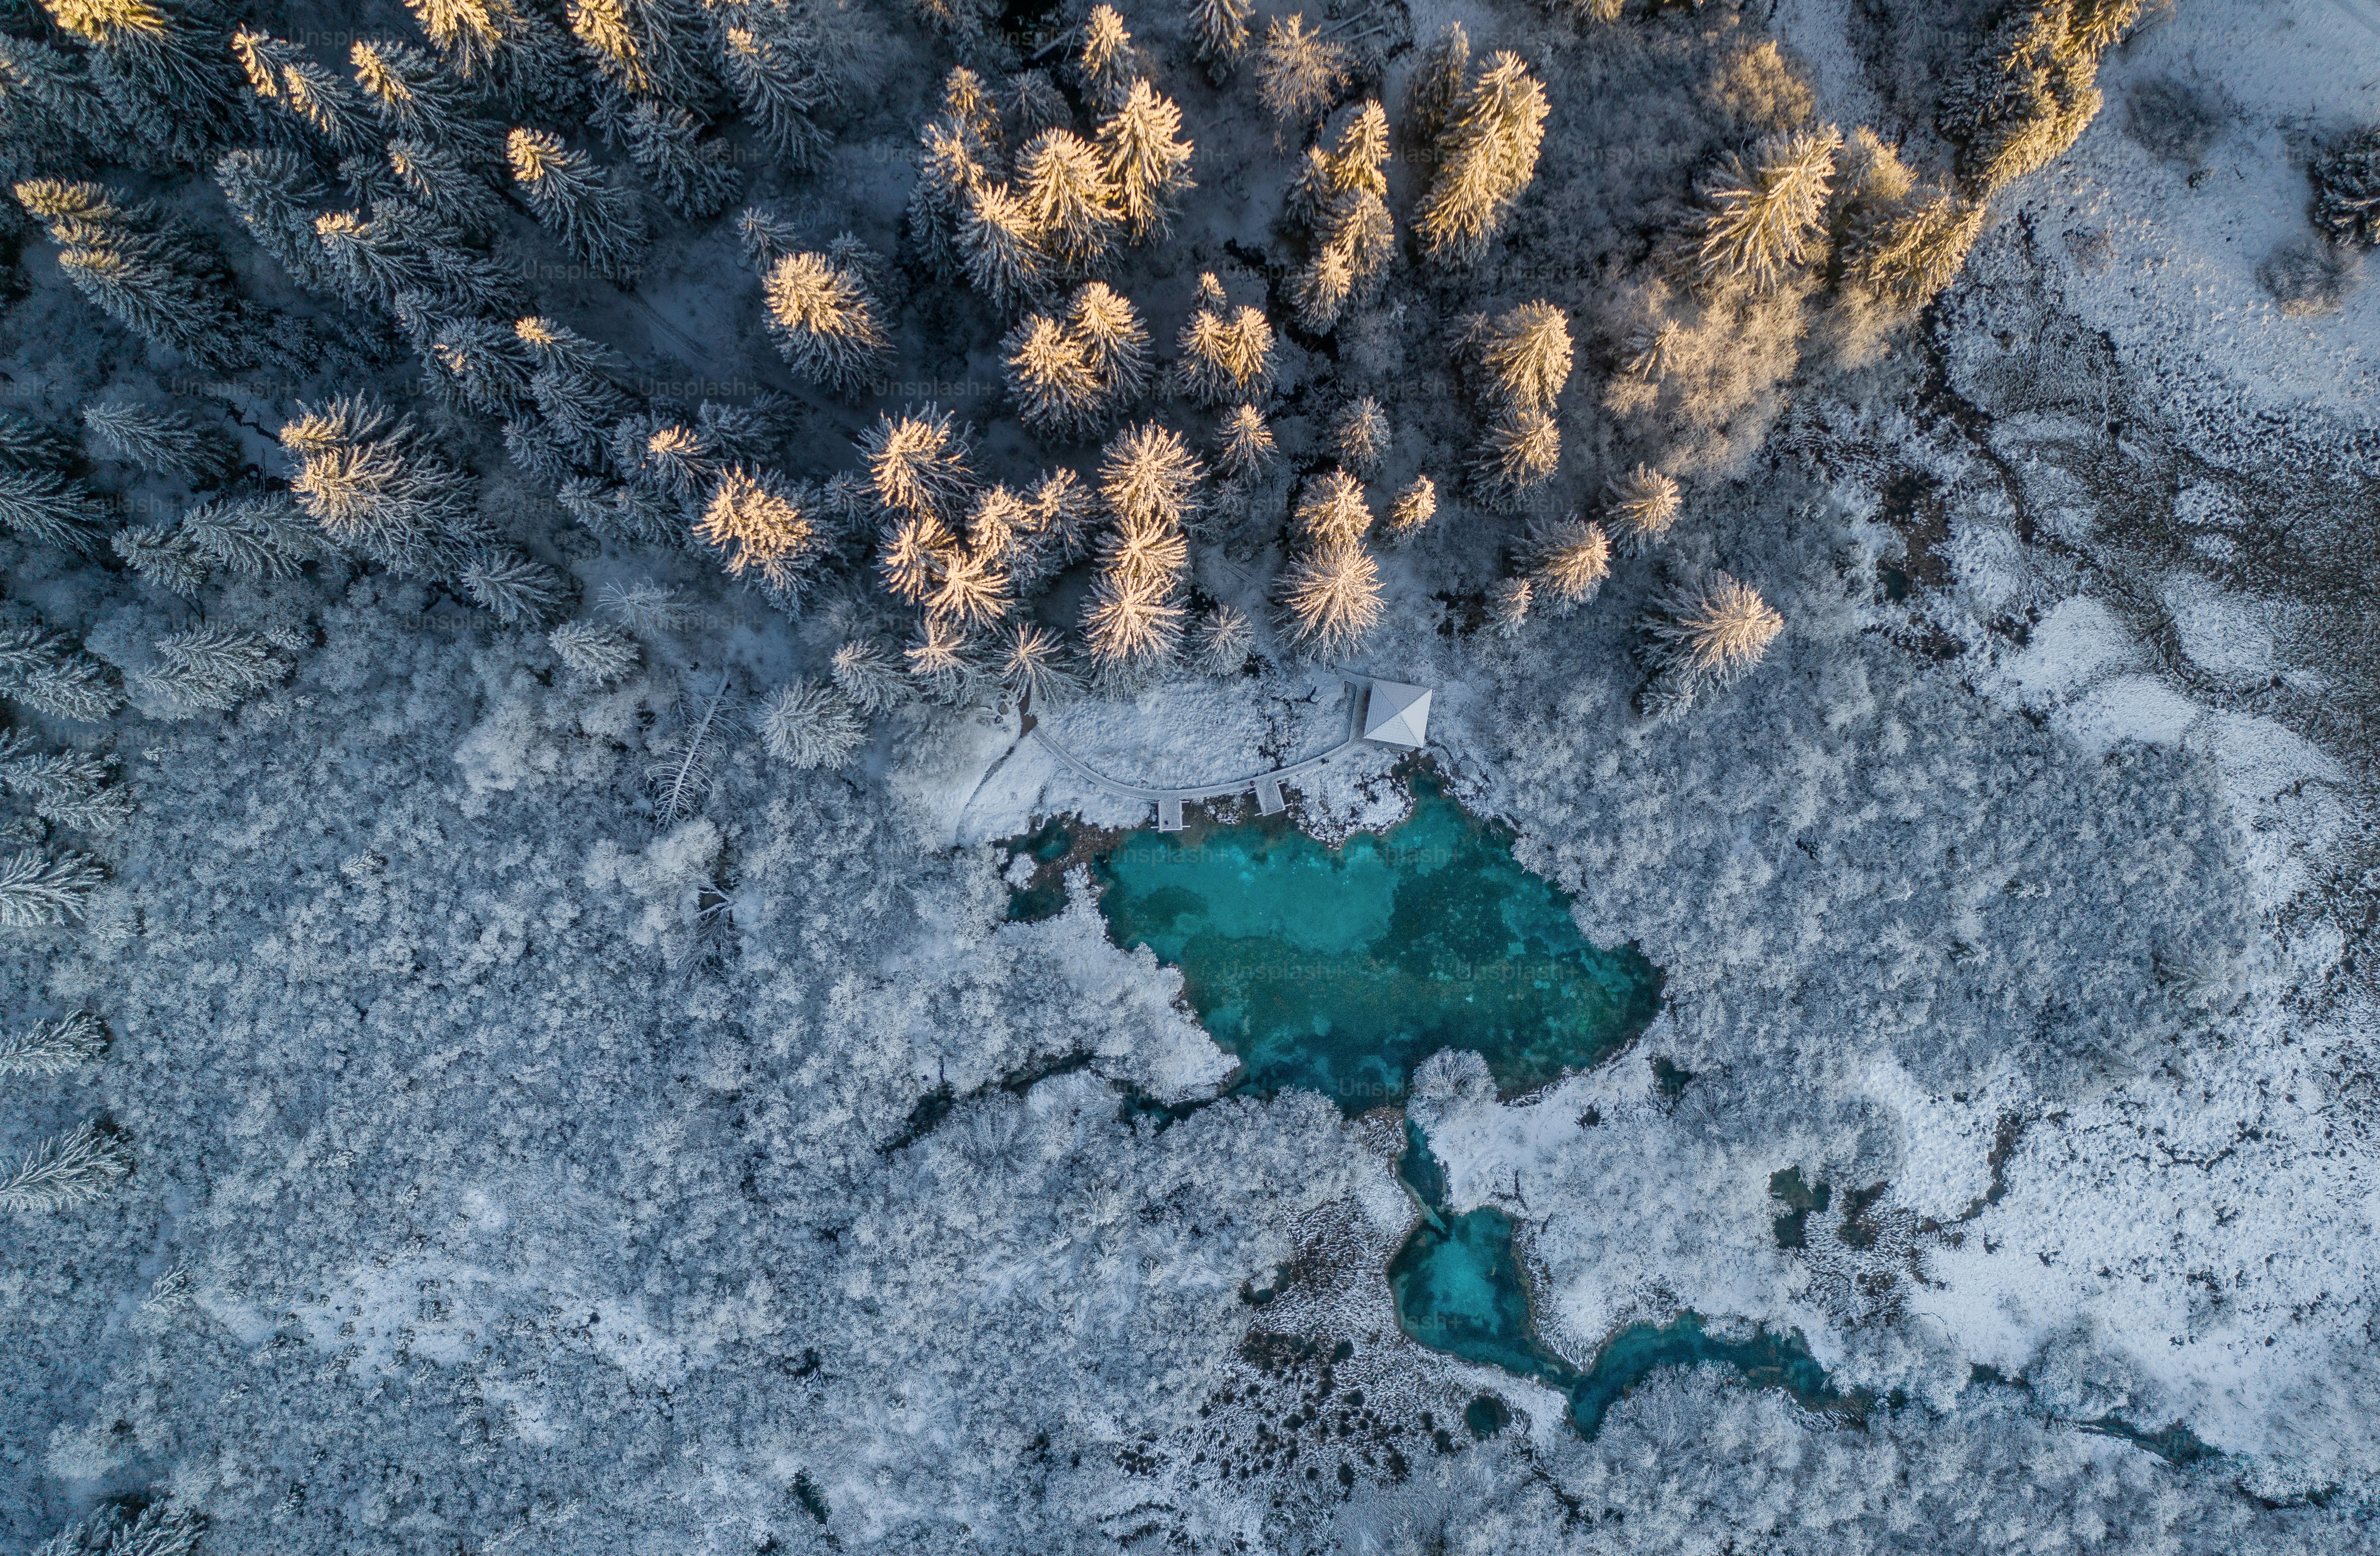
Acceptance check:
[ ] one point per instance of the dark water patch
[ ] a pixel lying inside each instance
(1486, 1415)
(1670, 1078)
(1338, 970)
(1458, 1287)
(1791, 1229)
(2176, 1444)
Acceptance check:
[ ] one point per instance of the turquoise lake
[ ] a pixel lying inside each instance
(1458, 1287)
(1338, 969)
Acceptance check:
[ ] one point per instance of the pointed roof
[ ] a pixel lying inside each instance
(1397, 714)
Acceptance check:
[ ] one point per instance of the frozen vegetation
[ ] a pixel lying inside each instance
(530, 535)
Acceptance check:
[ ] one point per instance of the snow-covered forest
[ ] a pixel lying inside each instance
(535, 536)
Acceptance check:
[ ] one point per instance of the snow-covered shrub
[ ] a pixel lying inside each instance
(806, 724)
(593, 652)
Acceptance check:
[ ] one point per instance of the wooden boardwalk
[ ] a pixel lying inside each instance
(1266, 787)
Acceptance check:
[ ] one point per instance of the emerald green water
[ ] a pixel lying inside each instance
(1340, 969)
(1458, 1287)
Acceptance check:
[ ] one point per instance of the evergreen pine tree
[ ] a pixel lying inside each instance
(1644, 503)
(1360, 436)
(515, 590)
(1332, 510)
(376, 491)
(49, 674)
(1148, 478)
(434, 179)
(592, 652)
(1299, 74)
(1068, 200)
(413, 98)
(754, 520)
(696, 178)
(1001, 245)
(578, 203)
(951, 175)
(1765, 214)
(1114, 343)
(1224, 640)
(29, 446)
(1569, 561)
(664, 456)
(1413, 510)
(55, 1048)
(867, 678)
(784, 72)
(1050, 378)
(1032, 665)
(1508, 605)
(806, 726)
(167, 442)
(1435, 86)
(502, 47)
(149, 275)
(1130, 627)
(1145, 162)
(919, 463)
(1332, 597)
(1030, 102)
(1522, 450)
(1487, 156)
(824, 319)
(481, 366)
(297, 102)
(1245, 445)
(78, 1165)
(572, 381)
(1109, 65)
(214, 667)
(271, 192)
(1527, 356)
(52, 119)
(1224, 358)
(651, 49)
(1701, 637)
(49, 509)
(164, 66)
(161, 555)
(1219, 33)
(259, 537)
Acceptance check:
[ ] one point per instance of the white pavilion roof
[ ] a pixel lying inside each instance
(1397, 714)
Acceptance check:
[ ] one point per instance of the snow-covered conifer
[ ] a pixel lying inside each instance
(969, 588)
(1522, 450)
(2346, 190)
(480, 365)
(756, 520)
(951, 172)
(165, 441)
(290, 89)
(516, 589)
(416, 100)
(508, 48)
(1050, 378)
(67, 787)
(1413, 510)
(1333, 511)
(1299, 74)
(1243, 444)
(1767, 211)
(375, 491)
(1568, 562)
(161, 555)
(1321, 288)
(1508, 605)
(434, 179)
(779, 80)
(538, 451)
(53, 1048)
(1224, 640)
(49, 509)
(919, 462)
(1701, 637)
(1067, 197)
(49, 674)
(1654, 355)
(215, 667)
(1225, 359)
(1914, 252)
(825, 319)
(1486, 154)
(868, 677)
(163, 66)
(577, 203)
(663, 455)
(1644, 503)
(1032, 664)
(1064, 511)
(943, 659)
(1148, 478)
(1526, 354)
(27, 444)
(696, 178)
(1001, 245)
(258, 537)
(806, 724)
(912, 549)
(592, 652)
(1219, 31)
(1109, 65)
(1434, 88)
(1360, 436)
(273, 193)
(1130, 627)
(78, 1165)
(1332, 594)
(2032, 89)
(1114, 343)
(648, 49)
(572, 383)
(1031, 103)
(147, 273)
(1147, 162)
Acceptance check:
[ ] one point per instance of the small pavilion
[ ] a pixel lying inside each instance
(1397, 714)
